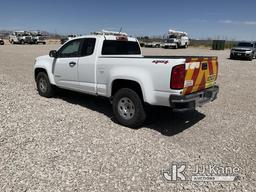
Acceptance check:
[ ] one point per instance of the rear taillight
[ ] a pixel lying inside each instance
(178, 77)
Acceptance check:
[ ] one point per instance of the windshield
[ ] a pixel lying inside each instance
(245, 45)
(173, 37)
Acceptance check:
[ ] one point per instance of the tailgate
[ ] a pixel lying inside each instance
(201, 73)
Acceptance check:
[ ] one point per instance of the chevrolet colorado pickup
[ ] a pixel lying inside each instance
(111, 65)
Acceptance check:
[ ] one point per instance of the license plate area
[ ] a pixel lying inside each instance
(207, 94)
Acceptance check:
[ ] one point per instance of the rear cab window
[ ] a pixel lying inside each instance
(115, 47)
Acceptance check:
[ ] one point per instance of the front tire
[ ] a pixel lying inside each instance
(128, 108)
(250, 58)
(44, 87)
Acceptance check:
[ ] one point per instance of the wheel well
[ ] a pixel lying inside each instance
(121, 83)
(38, 70)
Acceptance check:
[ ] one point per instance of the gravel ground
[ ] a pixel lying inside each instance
(72, 143)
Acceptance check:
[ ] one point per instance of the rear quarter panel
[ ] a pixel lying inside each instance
(153, 75)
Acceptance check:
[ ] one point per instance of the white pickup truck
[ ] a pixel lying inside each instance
(111, 65)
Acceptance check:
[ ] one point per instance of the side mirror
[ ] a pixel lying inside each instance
(53, 53)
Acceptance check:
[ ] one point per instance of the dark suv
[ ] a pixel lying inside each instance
(245, 50)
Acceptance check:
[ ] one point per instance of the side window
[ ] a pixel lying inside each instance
(71, 49)
(88, 47)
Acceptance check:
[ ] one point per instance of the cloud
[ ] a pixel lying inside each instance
(250, 22)
(227, 21)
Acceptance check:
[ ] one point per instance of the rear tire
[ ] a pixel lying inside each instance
(128, 108)
(44, 87)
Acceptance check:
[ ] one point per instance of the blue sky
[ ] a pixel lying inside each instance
(231, 19)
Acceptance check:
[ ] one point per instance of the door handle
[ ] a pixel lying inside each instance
(72, 64)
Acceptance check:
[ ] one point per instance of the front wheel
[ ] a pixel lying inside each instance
(250, 58)
(128, 108)
(44, 86)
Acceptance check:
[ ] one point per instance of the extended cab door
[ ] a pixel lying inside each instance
(87, 66)
(66, 63)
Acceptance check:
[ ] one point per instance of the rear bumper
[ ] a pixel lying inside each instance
(191, 101)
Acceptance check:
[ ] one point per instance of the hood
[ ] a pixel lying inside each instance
(44, 57)
(243, 48)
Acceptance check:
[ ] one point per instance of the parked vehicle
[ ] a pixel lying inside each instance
(37, 37)
(153, 45)
(142, 44)
(111, 65)
(20, 37)
(1, 41)
(176, 39)
(69, 37)
(246, 50)
(72, 36)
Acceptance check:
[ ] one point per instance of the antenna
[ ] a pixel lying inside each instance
(121, 29)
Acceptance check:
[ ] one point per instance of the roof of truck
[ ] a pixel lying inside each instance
(109, 35)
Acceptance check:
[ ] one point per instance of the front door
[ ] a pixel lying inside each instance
(66, 64)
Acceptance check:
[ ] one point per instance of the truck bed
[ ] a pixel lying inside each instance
(165, 57)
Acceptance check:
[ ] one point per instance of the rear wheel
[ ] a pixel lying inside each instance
(22, 42)
(128, 108)
(44, 86)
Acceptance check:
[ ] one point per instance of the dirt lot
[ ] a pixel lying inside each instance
(72, 143)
